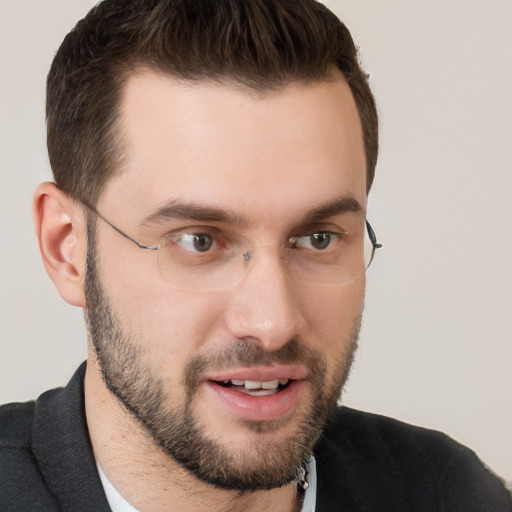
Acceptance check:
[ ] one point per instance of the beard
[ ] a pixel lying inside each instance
(178, 431)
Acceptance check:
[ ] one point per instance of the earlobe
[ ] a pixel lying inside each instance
(60, 229)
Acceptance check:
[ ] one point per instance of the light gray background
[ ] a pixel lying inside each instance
(436, 345)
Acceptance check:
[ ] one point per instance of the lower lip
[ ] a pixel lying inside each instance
(258, 408)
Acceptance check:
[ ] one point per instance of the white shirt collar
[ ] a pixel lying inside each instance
(116, 502)
(309, 502)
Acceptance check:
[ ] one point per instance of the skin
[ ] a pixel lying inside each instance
(268, 158)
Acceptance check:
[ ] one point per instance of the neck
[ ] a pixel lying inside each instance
(150, 479)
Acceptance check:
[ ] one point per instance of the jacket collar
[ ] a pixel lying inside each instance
(62, 448)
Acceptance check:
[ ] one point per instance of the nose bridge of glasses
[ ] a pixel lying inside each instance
(252, 255)
(270, 265)
(249, 250)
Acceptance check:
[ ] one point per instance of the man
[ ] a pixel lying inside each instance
(212, 161)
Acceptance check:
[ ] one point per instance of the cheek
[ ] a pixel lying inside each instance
(169, 325)
(334, 316)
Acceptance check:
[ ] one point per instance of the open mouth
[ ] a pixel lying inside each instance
(256, 388)
(258, 394)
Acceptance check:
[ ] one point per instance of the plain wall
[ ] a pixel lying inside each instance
(436, 346)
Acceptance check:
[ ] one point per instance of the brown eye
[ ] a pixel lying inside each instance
(320, 240)
(196, 242)
(203, 242)
(316, 241)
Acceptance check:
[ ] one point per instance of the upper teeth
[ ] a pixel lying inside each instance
(254, 384)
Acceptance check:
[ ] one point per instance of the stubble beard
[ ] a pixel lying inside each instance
(176, 429)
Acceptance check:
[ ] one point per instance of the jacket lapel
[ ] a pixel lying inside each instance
(63, 450)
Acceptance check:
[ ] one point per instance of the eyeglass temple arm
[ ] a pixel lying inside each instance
(373, 236)
(122, 233)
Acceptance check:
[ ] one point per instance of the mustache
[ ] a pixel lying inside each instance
(248, 353)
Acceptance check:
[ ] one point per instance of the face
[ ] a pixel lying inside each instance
(235, 382)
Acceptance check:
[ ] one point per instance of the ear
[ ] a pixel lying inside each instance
(60, 229)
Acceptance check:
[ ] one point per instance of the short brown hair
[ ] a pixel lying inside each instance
(262, 44)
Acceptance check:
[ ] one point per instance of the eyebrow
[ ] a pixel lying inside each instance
(337, 206)
(179, 210)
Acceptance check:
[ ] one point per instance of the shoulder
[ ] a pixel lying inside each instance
(16, 422)
(21, 482)
(399, 464)
(393, 438)
(381, 432)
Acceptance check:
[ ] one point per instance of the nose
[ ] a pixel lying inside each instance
(265, 306)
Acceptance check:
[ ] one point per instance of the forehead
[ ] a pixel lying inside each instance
(221, 145)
